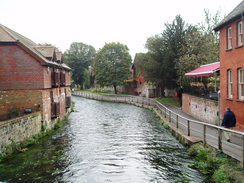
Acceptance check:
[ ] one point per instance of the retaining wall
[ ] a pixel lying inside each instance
(19, 129)
(203, 109)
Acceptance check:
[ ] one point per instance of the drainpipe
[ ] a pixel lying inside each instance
(219, 107)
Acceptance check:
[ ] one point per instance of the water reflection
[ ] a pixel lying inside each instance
(104, 142)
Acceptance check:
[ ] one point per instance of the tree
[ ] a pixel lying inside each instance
(48, 44)
(160, 63)
(153, 63)
(79, 57)
(201, 46)
(111, 65)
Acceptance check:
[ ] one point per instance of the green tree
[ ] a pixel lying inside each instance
(111, 65)
(153, 63)
(201, 46)
(174, 40)
(160, 63)
(79, 57)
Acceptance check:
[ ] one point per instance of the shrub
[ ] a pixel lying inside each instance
(14, 112)
(223, 175)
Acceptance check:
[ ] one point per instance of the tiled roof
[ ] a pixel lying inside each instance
(236, 13)
(46, 51)
(8, 35)
(59, 55)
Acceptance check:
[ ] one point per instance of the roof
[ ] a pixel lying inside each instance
(43, 52)
(46, 51)
(236, 13)
(204, 70)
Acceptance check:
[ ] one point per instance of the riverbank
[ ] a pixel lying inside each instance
(25, 131)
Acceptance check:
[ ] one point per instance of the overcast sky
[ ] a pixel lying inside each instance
(96, 22)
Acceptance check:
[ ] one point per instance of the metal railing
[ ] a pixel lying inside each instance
(208, 133)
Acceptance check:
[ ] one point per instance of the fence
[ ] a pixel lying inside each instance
(208, 133)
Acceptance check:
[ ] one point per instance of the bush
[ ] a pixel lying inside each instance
(223, 175)
(215, 165)
(100, 90)
(14, 112)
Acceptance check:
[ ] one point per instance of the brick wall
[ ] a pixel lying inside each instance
(231, 59)
(47, 72)
(59, 95)
(18, 69)
(19, 98)
(203, 109)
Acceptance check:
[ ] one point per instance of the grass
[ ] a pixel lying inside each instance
(170, 100)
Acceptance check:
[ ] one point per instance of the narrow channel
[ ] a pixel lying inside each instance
(104, 142)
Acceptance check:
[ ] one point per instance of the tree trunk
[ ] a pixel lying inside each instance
(162, 91)
(115, 89)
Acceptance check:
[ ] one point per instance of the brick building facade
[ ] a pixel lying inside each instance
(232, 63)
(32, 77)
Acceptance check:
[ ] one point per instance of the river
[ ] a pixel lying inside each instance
(104, 142)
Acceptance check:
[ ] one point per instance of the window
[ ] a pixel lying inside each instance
(240, 84)
(229, 83)
(229, 38)
(239, 33)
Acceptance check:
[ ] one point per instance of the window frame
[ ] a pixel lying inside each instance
(229, 38)
(239, 33)
(229, 84)
(241, 83)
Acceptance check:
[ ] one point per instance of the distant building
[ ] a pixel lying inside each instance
(32, 78)
(136, 85)
(232, 63)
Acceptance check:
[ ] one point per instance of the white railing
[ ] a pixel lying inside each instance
(208, 133)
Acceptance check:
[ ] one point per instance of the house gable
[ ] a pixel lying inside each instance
(44, 53)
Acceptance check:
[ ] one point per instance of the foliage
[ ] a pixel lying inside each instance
(111, 65)
(201, 46)
(79, 57)
(222, 175)
(160, 63)
(215, 165)
(59, 124)
(48, 44)
(14, 112)
(86, 76)
(100, 90)
(180, 48)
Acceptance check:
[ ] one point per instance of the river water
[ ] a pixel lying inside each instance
(104, 142)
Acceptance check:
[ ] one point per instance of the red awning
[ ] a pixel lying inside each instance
(204, 70)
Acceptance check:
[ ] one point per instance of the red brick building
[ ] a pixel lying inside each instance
(135, 82)
(232, 63)
(32, 77)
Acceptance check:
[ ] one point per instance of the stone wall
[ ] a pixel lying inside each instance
(203, 109)
(18, 129)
